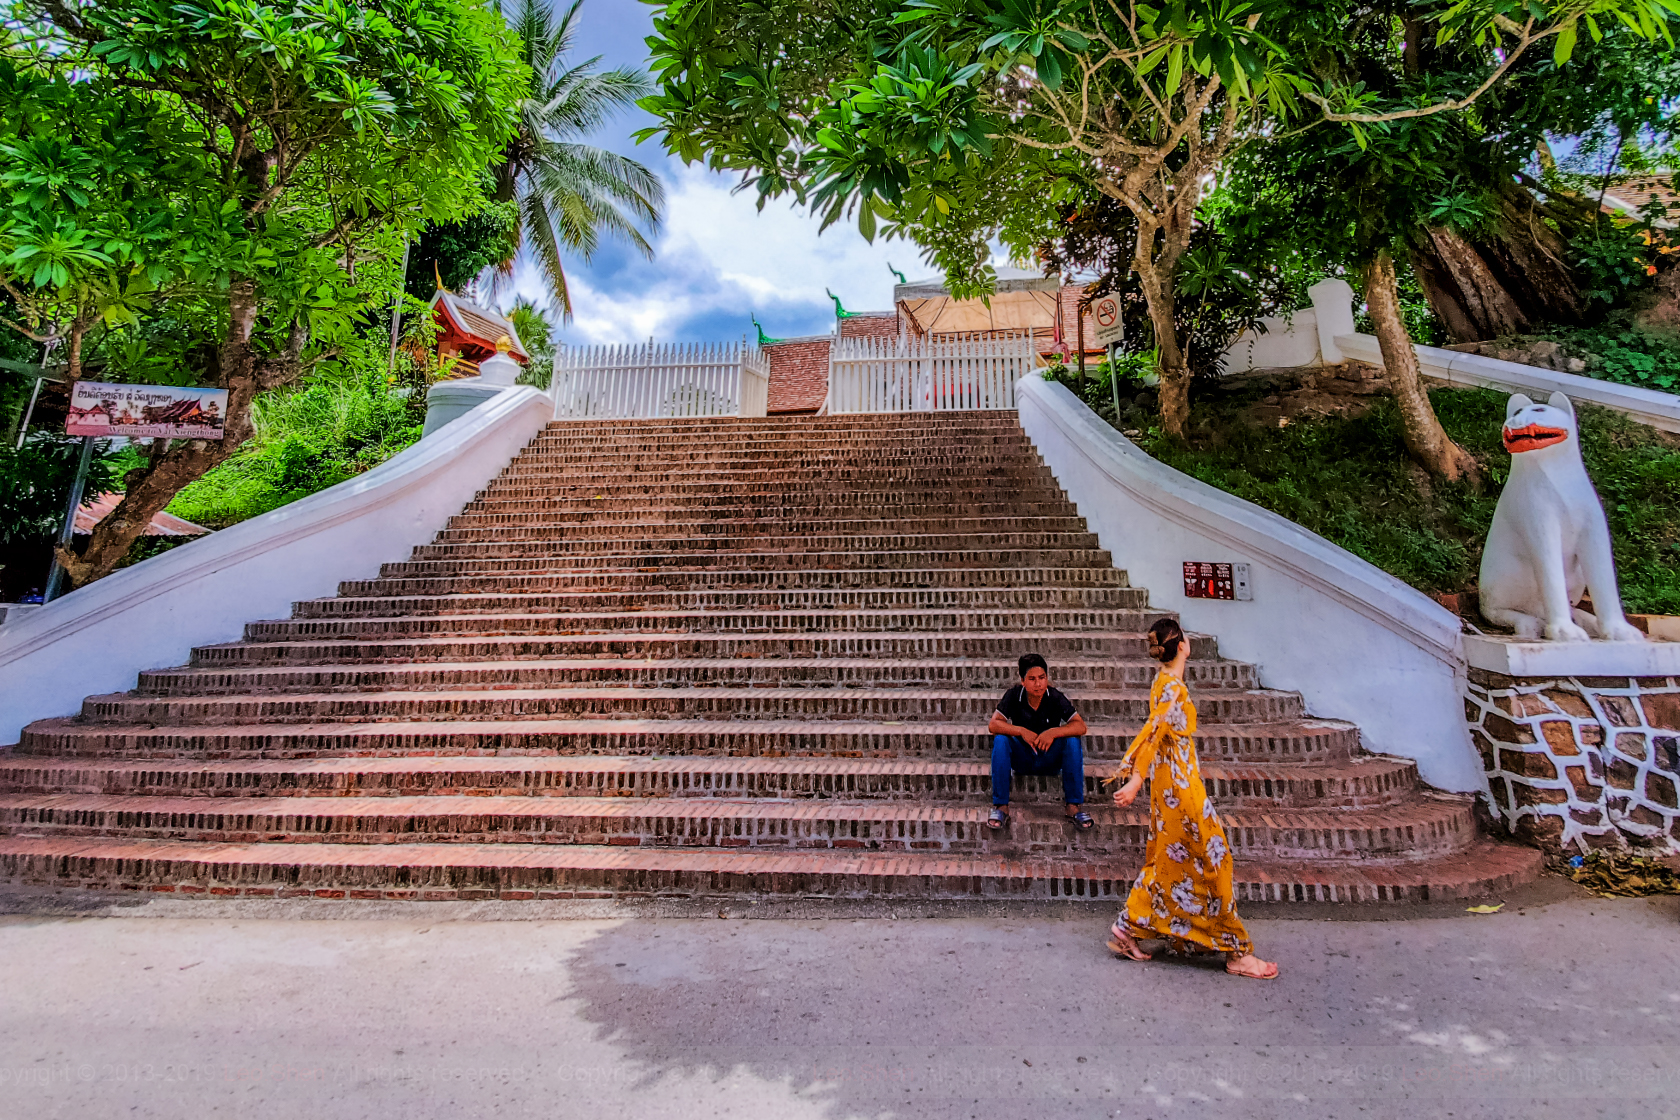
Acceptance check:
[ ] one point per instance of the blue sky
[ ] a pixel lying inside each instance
(717, 258)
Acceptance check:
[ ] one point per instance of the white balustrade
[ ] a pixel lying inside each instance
(755, 381)
(919, 375)
(659, 381)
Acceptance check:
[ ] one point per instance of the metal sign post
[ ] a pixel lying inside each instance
(55, 578)
(1111, 328)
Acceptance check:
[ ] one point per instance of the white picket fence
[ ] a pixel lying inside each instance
(660, 381)
(917, 375)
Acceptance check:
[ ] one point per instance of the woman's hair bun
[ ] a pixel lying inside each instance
(1164, 639)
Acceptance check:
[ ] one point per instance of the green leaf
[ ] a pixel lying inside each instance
(1050, 68)
(1565, 45)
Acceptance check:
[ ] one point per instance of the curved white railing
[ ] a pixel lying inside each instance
(97, 638)
(1648, 406)
(1357, 643)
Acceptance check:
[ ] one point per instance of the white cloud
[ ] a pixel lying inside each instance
(717, 260)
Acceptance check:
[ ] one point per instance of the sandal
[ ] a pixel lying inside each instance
(1272, 975)
(1083, 819)
(998, 819)
(1128, 949)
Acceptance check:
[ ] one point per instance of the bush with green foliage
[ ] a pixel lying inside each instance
(308, 438)
(1350, 481)
(1620, 350)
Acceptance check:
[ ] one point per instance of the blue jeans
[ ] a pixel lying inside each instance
(1064, 756)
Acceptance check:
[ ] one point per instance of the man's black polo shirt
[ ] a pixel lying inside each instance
(1053, 711)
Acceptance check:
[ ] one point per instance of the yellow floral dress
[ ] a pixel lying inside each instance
(1183, 894)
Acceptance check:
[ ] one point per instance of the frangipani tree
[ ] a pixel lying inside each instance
(228, 183)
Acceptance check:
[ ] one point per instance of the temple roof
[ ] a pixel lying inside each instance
(476, 324)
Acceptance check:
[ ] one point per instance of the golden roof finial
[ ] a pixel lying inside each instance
(438, 276)
(504, 344)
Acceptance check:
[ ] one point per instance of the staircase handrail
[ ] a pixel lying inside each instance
(100, 637)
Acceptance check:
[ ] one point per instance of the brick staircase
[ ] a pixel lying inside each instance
(715, 657)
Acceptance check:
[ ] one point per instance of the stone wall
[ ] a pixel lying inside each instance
(1580, 762)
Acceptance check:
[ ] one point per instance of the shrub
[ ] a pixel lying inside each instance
(307, 440)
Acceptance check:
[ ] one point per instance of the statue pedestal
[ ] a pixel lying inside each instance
(1580, 740)
(1515, 657)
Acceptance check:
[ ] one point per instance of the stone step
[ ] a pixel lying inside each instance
(628, 525)
(755, 559)
(944, 644)
(1317, 742)
(630, 580)
(995, 676)
(1365, 781)
(786, 477)
(500, 550)
(612, 702)
(1048, 623)
(871, 428)
(842, 505)
(803, 600)
(592, 668)
(753, 489)
(558, 466)
(526, 871)
(1429, 825)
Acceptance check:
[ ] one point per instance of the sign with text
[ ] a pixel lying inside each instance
(1105, 316)
(1205, 580)
(146, 411)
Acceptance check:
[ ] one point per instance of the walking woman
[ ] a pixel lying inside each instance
(1183, 894)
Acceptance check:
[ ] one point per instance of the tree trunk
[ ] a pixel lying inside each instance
(1427, 442)
(151, 488)
(1171, 367)
(1507, 279)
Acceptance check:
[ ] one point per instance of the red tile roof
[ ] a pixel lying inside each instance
(93, 511)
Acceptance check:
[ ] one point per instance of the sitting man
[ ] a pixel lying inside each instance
(1036, 731)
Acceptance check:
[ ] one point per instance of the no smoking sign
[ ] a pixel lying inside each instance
(1105, 312)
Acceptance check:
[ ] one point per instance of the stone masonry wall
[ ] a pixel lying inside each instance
(798, 374)
(1580, 762)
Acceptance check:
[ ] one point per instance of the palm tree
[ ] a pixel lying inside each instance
(569, 192)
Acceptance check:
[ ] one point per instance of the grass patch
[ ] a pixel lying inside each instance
(1350, 481)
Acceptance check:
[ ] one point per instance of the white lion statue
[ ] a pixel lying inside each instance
(1549, 542)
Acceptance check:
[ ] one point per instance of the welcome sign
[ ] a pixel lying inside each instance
(146, 411)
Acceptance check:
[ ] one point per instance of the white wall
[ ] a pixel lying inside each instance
(1302, 338)
(1357, 643)
(1290, 340)
(96, 639)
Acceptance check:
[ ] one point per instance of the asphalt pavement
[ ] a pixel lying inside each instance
(1559, 1005)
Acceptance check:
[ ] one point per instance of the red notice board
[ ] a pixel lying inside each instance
(1212, 580)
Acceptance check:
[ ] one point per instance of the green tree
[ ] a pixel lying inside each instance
(570, 192)
(215, 192)
(957, 121)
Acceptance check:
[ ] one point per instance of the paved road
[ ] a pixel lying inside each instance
(1567, 1008)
